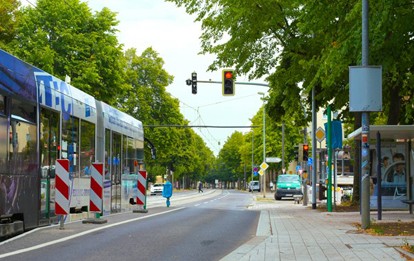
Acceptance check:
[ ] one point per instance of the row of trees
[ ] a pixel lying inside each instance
(64, 37)
(300, 45)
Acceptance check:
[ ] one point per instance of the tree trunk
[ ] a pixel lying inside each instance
(395, 106)
(357, 162)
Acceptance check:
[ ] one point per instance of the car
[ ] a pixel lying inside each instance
(254, 185)
(156, 188)
(288, 185)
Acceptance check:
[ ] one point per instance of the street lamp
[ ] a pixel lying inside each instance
(264, 142)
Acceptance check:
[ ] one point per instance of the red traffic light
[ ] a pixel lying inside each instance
(305, 147)
(228, 75)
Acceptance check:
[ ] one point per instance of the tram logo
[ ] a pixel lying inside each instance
(53, 93)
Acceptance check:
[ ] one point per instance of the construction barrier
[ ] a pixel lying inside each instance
(141, 185)
(62, 187)
(96, 192)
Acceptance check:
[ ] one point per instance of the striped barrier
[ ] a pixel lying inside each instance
(96, 192)
(141, 185)
(62, 187)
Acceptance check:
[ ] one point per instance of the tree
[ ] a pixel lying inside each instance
(178, 149)
(9, 19)
(305, 45)
(63, 37)
(229, 158)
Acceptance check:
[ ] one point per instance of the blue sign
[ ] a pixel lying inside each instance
(255, 173)
(298, 167)
(310, 161)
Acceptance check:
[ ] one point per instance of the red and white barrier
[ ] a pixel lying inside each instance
(96, 192)
(141, 185)
(62, 187)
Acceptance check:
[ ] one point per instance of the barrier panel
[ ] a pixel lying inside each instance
(62, 187)
(141, 192)
(95, 200)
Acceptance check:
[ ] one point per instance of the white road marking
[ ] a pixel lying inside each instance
(81, 234)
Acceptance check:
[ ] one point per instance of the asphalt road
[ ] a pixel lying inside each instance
(202, 227)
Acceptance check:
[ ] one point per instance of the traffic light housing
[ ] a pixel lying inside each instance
(305, 152)
(194, 83)
(228, 81)
(296, 151)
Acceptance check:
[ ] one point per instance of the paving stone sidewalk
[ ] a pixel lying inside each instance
(297, 232)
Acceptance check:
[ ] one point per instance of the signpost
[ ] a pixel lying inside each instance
(273, 159)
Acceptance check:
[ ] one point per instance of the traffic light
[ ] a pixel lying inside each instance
(194, 83)
(296, 151)
(228, 82)
(305, 152)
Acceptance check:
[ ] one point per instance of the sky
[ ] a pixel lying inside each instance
(174, 35)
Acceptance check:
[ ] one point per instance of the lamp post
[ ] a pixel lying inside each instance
(264, 142)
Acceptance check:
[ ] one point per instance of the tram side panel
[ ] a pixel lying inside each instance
(123, 144)
(18, 145)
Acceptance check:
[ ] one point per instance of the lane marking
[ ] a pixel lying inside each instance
(81, 234)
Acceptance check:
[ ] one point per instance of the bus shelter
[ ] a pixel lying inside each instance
(392, 153)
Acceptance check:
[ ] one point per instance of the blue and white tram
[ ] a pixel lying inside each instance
(43, 119)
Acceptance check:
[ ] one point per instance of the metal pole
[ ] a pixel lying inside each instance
(313, 150)
(264, 147)
(252, 155)
(283, 145)
(329, 143)
(365, 208)
(305, 167)
(379, 177)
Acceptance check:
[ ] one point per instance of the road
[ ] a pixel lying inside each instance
(196, 227)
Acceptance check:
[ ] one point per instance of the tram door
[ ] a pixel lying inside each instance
(49, 152)
(116, 172)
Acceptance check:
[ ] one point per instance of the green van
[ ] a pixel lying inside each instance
(288, 185)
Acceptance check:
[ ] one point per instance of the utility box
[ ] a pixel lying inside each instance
(365, 88)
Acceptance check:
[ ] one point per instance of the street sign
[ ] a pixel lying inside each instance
(320, 134)
(264, 166)
(298, 167)
(310, 161)
(261, 172)
(273, 159)
(255, 173)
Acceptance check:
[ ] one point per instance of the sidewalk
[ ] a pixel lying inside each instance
(296, 232)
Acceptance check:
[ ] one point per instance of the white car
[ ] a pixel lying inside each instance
(156, 188)
(254, 185)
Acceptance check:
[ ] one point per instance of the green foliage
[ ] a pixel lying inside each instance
(178, 149)
(9, 19)
(63, 37)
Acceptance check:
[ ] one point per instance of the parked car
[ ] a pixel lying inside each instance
(288, 185)
(156, 188)
(254, 185)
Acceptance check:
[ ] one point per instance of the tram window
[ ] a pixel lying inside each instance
(107, 154)
(129, 155)
(2, 105)
(49, 141)
(70, 144)
(23, 111)
(139, 147)
(22, 138)
(3, 144)
(87, 150)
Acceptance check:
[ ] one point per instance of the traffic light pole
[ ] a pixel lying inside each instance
(240, 83)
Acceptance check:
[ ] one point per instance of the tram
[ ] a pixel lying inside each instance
(43, 118)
